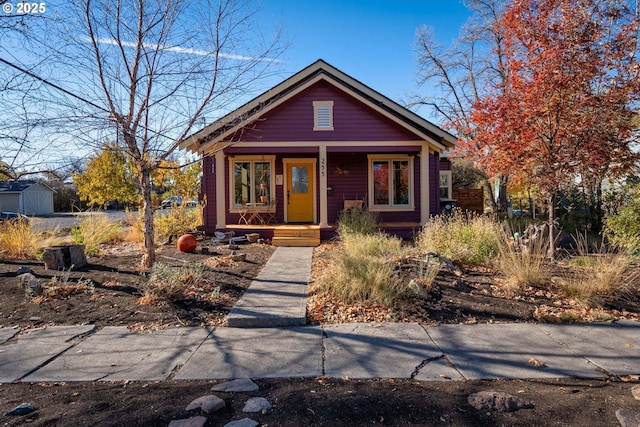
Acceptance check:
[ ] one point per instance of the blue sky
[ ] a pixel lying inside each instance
(371, 40)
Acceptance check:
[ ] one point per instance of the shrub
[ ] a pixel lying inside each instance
(176, 222)
(523, 262)
(357, 221)
(93, 230)
(623, 228)
(17, 239)
(463, 238)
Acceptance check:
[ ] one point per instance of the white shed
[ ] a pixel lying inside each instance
(26, 197)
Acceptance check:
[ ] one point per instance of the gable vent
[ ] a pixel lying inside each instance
(323, 115)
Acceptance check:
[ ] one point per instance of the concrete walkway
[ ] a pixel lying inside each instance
(354, 350)
(278, 296)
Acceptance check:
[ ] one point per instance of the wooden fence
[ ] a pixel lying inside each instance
(469, 199)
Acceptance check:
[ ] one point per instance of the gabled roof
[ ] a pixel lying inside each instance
(319, 70)
(18, 186)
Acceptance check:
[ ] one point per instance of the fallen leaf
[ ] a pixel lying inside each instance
(535, 362)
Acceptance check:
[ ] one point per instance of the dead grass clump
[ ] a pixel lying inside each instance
(17, 239)
(523, 262)
(357, 221)
(363, 268)
(167, 284)
(607, 271)
(63, 286)
(463, 238)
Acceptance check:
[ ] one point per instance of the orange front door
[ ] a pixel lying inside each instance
(300, 192)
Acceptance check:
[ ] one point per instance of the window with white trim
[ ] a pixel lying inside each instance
(252, 180)
(446, 187)
(390, 182)
(322, 115)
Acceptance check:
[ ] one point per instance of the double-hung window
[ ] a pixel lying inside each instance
(252, 180)
(390, 182)
(445, 185)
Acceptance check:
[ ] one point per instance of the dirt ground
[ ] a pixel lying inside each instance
(111, 295)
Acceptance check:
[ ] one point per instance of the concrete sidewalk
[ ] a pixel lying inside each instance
(372, 350)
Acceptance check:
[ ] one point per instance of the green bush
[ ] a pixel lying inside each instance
(177, 221)
(623, 228)
(463, 238)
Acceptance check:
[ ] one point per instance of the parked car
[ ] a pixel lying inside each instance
(9, 216)
(171, 201)
(192, 203)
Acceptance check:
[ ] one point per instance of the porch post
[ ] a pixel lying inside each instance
(424, 184)
(221, 206)
(323, 186)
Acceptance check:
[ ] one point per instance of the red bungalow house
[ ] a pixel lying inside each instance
(316, 143)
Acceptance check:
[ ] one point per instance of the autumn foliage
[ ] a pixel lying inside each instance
(563, 111)
(564, 107)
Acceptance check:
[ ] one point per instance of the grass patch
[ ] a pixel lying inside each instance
(93, 230)
(61, 287)
(168, 284)
(363, 269)
(357, 221)
(523, 262)
(463, 238)
(605, 271)
(17, 239)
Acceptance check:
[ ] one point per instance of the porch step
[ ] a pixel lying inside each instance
(296, 236)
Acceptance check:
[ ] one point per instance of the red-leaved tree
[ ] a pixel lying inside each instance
(563, 112)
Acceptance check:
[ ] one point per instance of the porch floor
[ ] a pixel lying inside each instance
(268, 231)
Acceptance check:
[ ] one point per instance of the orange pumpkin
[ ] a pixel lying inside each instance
(187, 243)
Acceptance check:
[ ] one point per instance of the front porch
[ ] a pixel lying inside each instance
(312, 234)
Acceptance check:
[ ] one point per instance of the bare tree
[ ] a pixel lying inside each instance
(161, 66)
(459, 75)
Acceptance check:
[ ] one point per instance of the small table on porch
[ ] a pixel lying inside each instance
(257, 213)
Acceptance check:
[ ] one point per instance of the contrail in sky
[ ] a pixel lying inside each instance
(189, 51)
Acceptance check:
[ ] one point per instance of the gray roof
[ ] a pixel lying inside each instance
(17, 186)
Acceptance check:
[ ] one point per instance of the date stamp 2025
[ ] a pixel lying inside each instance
(23, 8)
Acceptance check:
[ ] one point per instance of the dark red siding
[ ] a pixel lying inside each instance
(445, 164)
(352, 120)
(348, 176)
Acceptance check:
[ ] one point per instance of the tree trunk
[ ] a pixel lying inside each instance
(551, 224)
(502, 193)
(147, 209)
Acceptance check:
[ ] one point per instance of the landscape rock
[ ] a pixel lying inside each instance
(256, 404)
(242, 385)
(30, 283)
(198, 421)
(22, 409)
(208, 404)
(497, 401)
(635, 390)
(628, 418)
(245, 422)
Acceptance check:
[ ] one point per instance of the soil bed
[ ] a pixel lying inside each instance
(112, 298)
